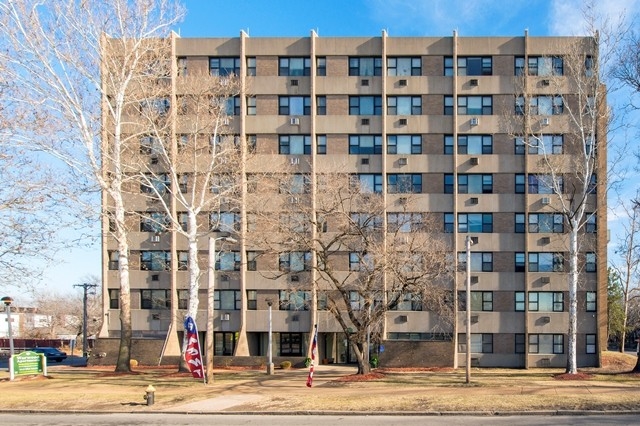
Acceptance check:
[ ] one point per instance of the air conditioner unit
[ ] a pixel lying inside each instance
(403, 161)
(474, 240)
(402, 200)
(225, 316)
(294, 160)
(294, 200)
(364, 161)
(154, 160)
(474, 319)
(402, 122)
(295, 278)
(294, 121)
(545, 82)
(402, 83)
(545, 200)
(155, 316)
(544, 122)
(545, 280)
(295, 318)
(155, 238)
(473, 200)
(545, 240)
(226, 121)
(224, 277)
(364, 82)
(474, 121)
(473, 161)
(545, 320)
(155, 277)
(364, 121)
(473, 82)
(474, 279)
(294, 82)
(402, 318)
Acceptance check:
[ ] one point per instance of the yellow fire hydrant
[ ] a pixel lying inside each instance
(150, 394)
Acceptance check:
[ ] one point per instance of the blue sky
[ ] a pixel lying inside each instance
(264, 18)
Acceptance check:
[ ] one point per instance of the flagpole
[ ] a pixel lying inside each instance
(314, 349)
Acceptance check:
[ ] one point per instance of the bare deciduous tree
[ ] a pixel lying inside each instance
(74, 71)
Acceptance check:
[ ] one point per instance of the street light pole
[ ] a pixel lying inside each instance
(7, 303)
(85, 287)
(210, 301)
(468, 294)
(269, 347)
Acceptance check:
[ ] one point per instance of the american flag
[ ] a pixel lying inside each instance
(314, 353)
(192, 353)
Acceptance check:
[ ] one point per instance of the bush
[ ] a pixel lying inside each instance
(307, 361)
(285, 365)
(373, 362)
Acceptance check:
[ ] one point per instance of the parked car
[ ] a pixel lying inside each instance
(51, 353)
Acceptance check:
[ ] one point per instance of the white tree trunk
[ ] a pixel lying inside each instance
(573, 299)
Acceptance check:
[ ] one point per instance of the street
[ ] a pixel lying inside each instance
(74, 361)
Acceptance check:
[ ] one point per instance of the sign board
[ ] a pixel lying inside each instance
(27, 363)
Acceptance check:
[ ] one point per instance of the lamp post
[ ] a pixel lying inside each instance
(7, 303)
(85, 287)
(270, 367)
(210, 299)
(468, 295)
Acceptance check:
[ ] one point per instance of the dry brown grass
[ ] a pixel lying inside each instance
(491, 390)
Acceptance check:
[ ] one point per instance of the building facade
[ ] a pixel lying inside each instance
(438, 115)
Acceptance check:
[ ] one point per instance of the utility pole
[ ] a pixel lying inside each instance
(85, 287)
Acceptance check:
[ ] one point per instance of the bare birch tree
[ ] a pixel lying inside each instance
(355, 255)
(73, 70)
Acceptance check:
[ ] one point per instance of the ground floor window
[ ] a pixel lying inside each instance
(546, 343)
(481, 343)
(291, 344)
(225, 343)
(590, 340)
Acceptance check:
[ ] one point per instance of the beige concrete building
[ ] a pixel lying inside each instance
(434, 114)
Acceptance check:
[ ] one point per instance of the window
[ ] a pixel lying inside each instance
(448, 144)
(182, 66)
(321, 105)
(295, 184)
(252, 260)
(404, 222)
(321, 144)
(519, 262)
(183, 260)
(150, 145)
(294, 300)
(546, 262)
(588, 66)
(542, 66)
(480, 343)
(295, 261)
(365, 144)
(356, 300)
(114, 298)
(475, 144)
(546, 222)
(590, 343)
(232, 105)
(365, 105)
(294, 105)
(294, 66)
(228, 261)
(321, 66)
(224, 343)
(475, 184)
(404, 183)
(480, 261)
(368, 221)
(294, 144)
(404, 66)
(369, 182)
(114, 256)
(470, 65)
(544, 105)
(520, 183)
(224, 66)
(591, 225)
(546, 343)
(520, 147)
(365, 66)
(475, 222)
(228, 300)
(448, 222)
(183, 299)
(252, 300)
(475, 105)
(542, 145)
(520, 301)
(155, 299)
(545, 184)
(591, 301)
(448, 105)
(291, 344)
(154, 222)
(359, 261)
(404, 144)
(155, 106)
(520, 343)
(404, 105)
(251, 105)
(155, 260)
(251, 66)
(408, 302)
(593, 184)
(590, 262)
(448, 184)
(155, 183)
(222, 183)
(224, 222)
(519, 222)
(480, 301)
(546, 301)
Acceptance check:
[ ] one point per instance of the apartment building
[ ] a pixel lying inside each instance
(435, 117)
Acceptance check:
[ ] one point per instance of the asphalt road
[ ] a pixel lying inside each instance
(76, 361)
(121, 419)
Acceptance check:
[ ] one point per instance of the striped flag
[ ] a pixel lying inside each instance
(314, 355)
